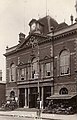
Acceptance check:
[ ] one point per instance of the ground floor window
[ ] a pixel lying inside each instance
(63, 91)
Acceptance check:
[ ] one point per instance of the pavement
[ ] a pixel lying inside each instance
(33, 114)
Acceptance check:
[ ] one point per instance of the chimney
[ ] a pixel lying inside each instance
(71, 17)
(21, 37)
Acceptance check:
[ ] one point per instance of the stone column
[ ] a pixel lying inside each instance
(18, 96)
(28, 96)
(52, 90)
(25, 97)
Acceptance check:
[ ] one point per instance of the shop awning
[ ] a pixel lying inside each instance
(56, 97)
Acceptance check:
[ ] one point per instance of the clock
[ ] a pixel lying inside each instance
(33, 26)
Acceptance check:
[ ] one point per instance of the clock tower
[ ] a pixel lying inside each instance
(35, 26)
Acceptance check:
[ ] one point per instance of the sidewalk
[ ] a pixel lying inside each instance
(34, 115)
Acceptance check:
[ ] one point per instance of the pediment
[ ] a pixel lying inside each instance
(30, 41)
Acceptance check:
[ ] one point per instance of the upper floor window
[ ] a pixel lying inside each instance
(64, 62)
(12, 72)
(22, 73)
(34, 69)
(42, 70)
(47, 69)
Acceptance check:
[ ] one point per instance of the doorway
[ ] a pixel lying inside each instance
(21, 97)
(33, 97)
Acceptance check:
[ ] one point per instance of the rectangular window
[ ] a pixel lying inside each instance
(12, 74)
(18, 74)
(25, 73)
(28, 72)
(51, 68)
(47, 69)
(22, 73)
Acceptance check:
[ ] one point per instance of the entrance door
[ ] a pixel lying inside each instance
(47, 93)
(33, 97)
(21, 97)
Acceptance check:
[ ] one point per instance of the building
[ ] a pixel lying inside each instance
(0, 75)
(43, 64)
(2, 89)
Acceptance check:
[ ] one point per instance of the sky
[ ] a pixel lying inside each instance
(15, 16)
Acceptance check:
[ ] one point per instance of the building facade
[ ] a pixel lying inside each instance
(2, 90)
(43, 64)
(0, 75)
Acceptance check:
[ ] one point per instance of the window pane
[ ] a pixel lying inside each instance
(22, 73)
(51, 68)
(47, 69)
(12, 73)
(25, 73)
(34, 69)
(64, 62)
(28, 72)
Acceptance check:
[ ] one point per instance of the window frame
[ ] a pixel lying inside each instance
(12, 72)
(50, 69)
(63, 64)
(34, 68)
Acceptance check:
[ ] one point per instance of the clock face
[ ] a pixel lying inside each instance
(33, 26)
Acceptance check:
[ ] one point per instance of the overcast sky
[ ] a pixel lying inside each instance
(15, 16)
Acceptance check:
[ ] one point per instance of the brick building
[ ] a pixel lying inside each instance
(0, 75)
(43, 64)
(2, 89)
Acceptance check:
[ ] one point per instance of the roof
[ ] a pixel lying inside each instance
(61, 26)
(65, 30)
(48, 22)
(56, 97)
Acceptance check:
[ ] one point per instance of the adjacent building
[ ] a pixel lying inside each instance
(43, 64)
(2, 90)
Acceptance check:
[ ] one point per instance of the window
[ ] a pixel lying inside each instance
(47, 69)
(22, 73)
(63, 91)
(64, 62)
(34, 69)
(12, 72)
(42, 72)
(28, 72)
(12, 94)
(51, 68)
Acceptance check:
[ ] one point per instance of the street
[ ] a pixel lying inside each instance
(14, 118)
(27, 115)
(18, 118)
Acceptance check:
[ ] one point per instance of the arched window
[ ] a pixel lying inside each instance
(34, 69)
(63, 91)
(12, 94)
(12, 72)
(64, 62)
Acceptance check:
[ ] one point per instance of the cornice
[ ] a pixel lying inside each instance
(65, 34)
